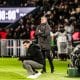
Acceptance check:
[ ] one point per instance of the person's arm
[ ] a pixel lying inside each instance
(22, 58)
(56, 34)
(38, 31)
(76, 48)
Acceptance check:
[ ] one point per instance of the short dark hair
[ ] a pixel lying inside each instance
(26, 41)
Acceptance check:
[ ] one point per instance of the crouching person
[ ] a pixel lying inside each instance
(75, 57)
(34, 59)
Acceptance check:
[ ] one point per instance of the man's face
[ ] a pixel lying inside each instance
(26, 45)
(43, 20)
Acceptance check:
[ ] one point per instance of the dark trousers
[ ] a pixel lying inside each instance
(46, 54)
(63, 56)
(54, 49)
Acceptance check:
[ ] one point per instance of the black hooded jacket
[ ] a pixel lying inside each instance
(33, 53)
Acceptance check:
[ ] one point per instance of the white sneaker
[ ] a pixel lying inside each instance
(34, 76)
(38, 74)
(31, 76)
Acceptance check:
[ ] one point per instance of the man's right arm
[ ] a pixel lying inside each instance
(22, 58)
(38, 31)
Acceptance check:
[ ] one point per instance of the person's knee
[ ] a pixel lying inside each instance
(28, 66)
(25, 63)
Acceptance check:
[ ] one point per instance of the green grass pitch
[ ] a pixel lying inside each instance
(11, 69)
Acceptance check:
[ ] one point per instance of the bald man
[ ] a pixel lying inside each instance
(43, 35)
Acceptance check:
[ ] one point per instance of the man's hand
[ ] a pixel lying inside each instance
(39, 31)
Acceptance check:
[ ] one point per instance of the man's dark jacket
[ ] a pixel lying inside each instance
(33, 53)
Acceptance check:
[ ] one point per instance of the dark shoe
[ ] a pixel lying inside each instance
(36, 71)
(43, 71)
(52, 71)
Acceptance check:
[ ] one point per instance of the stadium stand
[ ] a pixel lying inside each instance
(58, 12)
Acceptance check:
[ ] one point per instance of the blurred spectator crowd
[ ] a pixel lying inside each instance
(25, 3)
(60, 13)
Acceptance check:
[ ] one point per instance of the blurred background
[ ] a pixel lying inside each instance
(20, 18)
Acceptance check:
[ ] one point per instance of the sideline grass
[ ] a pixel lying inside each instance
(11, 69)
